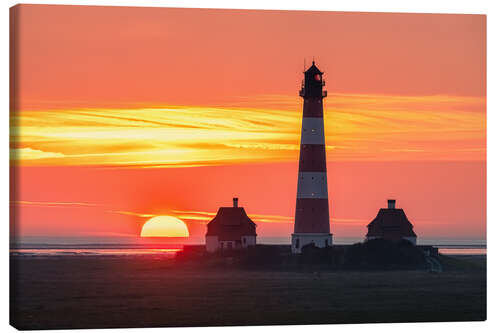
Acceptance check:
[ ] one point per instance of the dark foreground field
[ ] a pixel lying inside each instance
(145, 291)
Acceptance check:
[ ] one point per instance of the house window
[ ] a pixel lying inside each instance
(297, 243)
(244, 240)
(326, 242)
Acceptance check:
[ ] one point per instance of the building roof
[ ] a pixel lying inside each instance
(313, 69)
(390, 223)
(231, 223)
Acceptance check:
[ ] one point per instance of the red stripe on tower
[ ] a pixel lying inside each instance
(312, 221)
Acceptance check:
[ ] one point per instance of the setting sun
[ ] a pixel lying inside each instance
(164, 226)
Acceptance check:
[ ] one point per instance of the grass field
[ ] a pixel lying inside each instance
(146, 291)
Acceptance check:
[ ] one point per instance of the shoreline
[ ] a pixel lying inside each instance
(170, 249)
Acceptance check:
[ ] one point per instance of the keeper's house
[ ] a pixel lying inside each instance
(391, 223)
(231, 228)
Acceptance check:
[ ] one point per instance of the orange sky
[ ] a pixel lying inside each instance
(123, 113)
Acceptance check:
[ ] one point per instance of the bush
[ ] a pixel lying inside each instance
(384, 254)
(261, 257)
(315, 256)
(190, 253)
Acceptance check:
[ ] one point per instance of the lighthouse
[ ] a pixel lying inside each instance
(312, 222)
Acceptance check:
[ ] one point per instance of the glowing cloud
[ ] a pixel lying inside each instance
(358, 127)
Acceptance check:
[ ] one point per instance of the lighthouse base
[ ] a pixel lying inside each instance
(299, 240)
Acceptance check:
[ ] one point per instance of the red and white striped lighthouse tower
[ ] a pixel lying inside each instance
(312, 222)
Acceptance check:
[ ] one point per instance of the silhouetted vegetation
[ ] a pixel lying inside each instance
(377, 254)
(263, 257)
(384, 254)
(190, 253)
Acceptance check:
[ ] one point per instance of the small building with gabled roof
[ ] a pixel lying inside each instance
(392, 224)
(231, 228)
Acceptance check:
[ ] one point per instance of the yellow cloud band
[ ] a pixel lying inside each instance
(358, 127)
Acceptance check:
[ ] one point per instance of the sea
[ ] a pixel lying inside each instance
(129, 246)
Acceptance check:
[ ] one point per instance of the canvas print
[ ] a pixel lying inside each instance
(207, 167)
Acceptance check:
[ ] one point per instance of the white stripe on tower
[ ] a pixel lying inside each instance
(312, 185)
(313, 132)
